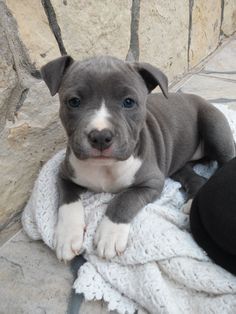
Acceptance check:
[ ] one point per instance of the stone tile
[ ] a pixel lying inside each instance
(34, 30)
(213, 89)
(32, 279)
(205, 30)
(229, 17)
(163, 36)
(223, 62)
(176, 85)
(38, 283)
(29, 141)
(29, 121)
(96, 307)
(91, 28)
(11, 229)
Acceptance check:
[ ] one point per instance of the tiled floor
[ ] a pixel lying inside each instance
(32, 279)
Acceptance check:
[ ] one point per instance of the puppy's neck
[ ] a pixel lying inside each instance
(104, 175)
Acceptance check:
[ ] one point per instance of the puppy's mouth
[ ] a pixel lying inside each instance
(101, 154)
(104, 157)
(101, 158)
(94, 155)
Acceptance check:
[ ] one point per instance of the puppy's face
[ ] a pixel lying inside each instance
(103, 108)
(103, 104)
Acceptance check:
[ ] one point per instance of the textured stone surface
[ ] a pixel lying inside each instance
(32, 279)
(34, 30)
(14, 65)
(214, 89)
(25, 145)
(8, 78)
(206, 19)
(163, 35)
(30, 131)
(10, 229)
(223, 63)
(97, 307)
(229, 17)
(94, 27)
(216, 79)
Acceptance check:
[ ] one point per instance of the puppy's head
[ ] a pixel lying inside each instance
(103, 103)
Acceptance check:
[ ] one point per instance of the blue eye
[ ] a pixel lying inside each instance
(128, 103)
(74, 102)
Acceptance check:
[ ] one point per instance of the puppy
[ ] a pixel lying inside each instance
(124, 140)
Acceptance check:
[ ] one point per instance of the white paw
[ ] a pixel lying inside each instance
(111, 238)
(187, 207)
(69, 233)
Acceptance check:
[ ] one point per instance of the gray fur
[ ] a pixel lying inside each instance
(163, 132)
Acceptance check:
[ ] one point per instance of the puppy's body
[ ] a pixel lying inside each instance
(170, 138)
(124, 141)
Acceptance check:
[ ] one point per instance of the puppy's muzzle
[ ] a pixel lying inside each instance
(101, 140)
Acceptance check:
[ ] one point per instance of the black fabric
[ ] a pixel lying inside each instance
(213, 217)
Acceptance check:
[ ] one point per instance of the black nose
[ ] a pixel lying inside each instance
(100, 139)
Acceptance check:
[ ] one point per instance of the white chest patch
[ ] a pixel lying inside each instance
(109, 176)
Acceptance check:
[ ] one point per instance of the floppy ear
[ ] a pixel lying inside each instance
(152, 76)
(53, 72)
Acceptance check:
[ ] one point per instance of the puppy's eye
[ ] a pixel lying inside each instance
(128, 103)
(74, 102)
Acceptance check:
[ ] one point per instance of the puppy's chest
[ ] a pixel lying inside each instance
(102, 178)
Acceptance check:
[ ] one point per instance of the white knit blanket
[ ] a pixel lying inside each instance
(162, 270)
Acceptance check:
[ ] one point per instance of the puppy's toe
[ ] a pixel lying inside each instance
(69, 244)
(187, 207)
(106, 249)
(64, 252)
(76, 245)
(111, 238)
(121, 244)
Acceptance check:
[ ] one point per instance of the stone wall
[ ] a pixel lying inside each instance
(171, 34)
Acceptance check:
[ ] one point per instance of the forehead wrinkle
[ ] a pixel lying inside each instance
(102, 64)
(103, 75)
(119, 86)
(97, 66)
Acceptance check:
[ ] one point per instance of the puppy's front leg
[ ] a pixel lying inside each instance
(112, 234)
(70, 226)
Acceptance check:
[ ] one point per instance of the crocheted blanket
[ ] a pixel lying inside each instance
(162, 270)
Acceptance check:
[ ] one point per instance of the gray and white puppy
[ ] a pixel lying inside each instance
(124, 140)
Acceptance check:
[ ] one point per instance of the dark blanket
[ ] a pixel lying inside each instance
(213, 217)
